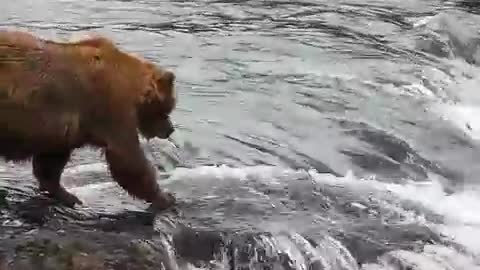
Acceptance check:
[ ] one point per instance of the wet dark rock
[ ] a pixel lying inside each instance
(3, 198)
(194, 245)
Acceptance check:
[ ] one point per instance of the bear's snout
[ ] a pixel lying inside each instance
(169, 129)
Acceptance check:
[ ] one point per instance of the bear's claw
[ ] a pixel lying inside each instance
(65, 197)
(163, 201)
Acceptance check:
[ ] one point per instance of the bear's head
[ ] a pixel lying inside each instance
(158, 101)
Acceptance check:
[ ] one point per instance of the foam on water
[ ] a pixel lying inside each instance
(462, 104)
(459, 210)
(464, 117)
(461, 223)
(463, 113)
(90, 167)
(433, 257)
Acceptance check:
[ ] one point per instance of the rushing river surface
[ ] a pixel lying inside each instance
(310, 134)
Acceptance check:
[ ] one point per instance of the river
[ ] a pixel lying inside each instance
(315, 134)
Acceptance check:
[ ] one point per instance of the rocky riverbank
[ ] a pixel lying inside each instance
(37, 234)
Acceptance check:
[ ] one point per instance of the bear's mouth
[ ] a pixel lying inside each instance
(166, 128)
(161, 129)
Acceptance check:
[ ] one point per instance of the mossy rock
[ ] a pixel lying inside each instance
(47, 255)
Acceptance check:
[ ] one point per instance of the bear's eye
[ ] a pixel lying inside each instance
(96, 57)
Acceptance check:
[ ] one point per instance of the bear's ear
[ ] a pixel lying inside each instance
(92, 39)
(151, 92)
(165, 85)
(159, 89)
(160, 85)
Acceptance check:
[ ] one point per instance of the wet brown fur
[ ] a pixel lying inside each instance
(59, 96)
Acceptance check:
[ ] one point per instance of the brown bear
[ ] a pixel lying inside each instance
(59, 96)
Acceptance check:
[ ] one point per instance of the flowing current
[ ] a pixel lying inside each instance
(310, 134)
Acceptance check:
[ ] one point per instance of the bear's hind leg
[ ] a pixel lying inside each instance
(48, 168)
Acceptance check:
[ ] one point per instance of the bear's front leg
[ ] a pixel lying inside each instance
(133, 172)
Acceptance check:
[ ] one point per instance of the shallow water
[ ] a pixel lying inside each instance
(339, 133)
